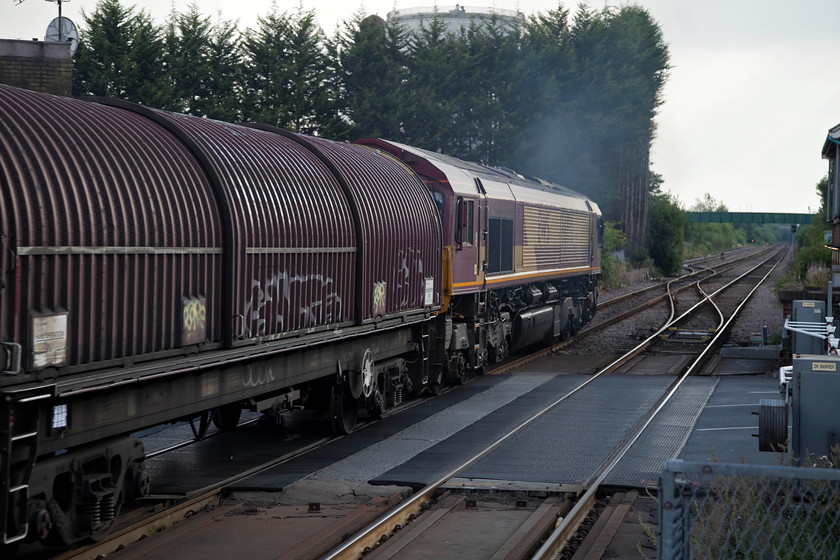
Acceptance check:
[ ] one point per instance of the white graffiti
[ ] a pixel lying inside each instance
(324, 305)
(256, 376)
(408, 278)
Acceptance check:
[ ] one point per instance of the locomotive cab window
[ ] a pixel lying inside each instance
(464, 225)
(437, 196)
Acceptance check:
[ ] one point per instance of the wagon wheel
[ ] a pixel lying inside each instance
(376, 405)
(362, 383)
(227, 417)
(203, 424)
(368, 374)
(343, 410)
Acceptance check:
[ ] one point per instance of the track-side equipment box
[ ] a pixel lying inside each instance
(816, 393)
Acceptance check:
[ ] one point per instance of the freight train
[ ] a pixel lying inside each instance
(158, 267)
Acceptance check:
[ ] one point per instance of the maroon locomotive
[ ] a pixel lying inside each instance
(521, 257)
(157, 267)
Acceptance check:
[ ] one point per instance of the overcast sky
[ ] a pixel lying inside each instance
(753, 90)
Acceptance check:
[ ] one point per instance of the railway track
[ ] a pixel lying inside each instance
(694, 268)
(642, 298)
(631, 304)
(569, 523)
(565, 530)
(533, 513)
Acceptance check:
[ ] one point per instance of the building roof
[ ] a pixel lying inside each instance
(454, 17)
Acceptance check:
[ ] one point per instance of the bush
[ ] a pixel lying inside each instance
(639, 257)
(808, 258)
(817, 275)
(612, 269)
(665, 241)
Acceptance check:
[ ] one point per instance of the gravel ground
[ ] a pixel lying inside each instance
(763, 309)
(607, 295)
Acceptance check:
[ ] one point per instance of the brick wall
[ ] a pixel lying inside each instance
(36, 65)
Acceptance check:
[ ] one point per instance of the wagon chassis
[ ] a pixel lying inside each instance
(44, 421)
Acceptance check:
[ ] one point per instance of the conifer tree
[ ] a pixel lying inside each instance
(286, 70)
(487, 91)
(122, 56)
(188, 53)
(204, 65)
(224, 90)
(430, 108)
(372, 56)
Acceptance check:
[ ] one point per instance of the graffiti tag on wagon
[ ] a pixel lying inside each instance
(256, 376)
(379, 293)
(409, 282)
(283, 302)
(194, 316)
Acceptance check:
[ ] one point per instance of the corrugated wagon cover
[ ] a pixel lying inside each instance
(77, 170)
(102, 207)
(401, 229)
(293, 237)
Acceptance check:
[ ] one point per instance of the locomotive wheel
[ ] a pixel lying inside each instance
(203, 424)
(458, 369)
(436, 386)
(227, 416)
(343, 410)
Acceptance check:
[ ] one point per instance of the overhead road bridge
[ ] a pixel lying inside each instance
(749, 218)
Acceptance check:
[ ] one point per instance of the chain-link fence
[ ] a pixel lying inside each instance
(748, 511)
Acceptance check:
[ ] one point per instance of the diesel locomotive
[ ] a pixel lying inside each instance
(157, 267)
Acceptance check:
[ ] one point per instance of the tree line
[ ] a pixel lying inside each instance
(569, 97)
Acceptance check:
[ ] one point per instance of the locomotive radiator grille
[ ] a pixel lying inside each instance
(554, 238)
(576, 235)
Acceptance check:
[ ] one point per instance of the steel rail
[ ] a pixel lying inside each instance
(135, 532)
(612, 301)
(356, 545)
(569, 525)
(187, 443)
(194, 501)
(669, 294)
(711, 302)
(671, 321)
